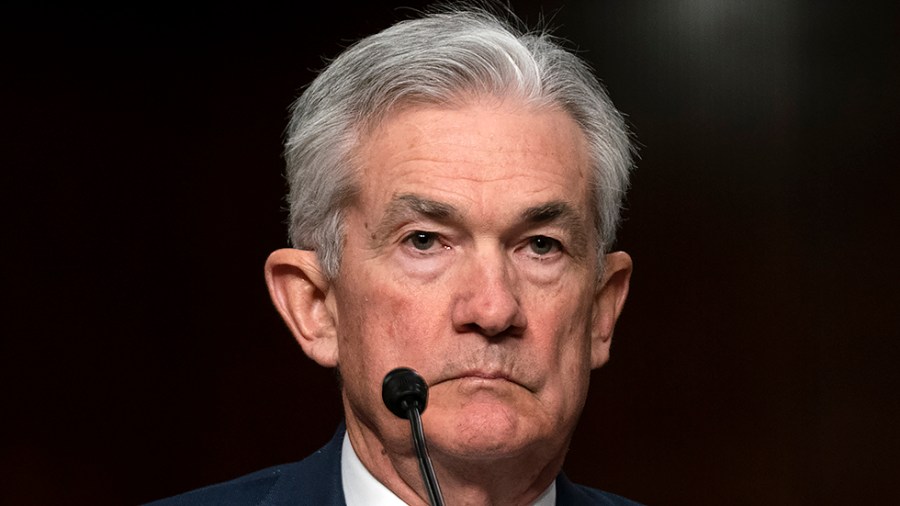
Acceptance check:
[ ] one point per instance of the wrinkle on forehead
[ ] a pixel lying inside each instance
(424, 129)
(490, 157)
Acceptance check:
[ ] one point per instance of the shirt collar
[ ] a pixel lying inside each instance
(362, 489)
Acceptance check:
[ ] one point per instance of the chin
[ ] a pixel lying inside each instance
(482, 430)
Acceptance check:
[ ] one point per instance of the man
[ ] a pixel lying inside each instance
(454, 188)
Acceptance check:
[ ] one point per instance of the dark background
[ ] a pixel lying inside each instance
(756, 362)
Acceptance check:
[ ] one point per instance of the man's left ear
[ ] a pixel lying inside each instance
(608, 302)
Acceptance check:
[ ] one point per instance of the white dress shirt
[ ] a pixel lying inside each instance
(362, 489)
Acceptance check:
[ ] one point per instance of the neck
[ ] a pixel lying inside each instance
(513, 481)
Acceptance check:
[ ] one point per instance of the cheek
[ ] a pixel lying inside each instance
(568, 363)
(561, 309)
(408, 322)
(561, 327)
(385, 325)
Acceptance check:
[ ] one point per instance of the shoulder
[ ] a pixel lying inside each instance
(571, 494)
(314, 480)
(246, 490)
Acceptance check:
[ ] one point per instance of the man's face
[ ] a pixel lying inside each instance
(470, 256)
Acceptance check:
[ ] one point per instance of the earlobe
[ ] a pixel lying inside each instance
(608, 303)
(300, 292)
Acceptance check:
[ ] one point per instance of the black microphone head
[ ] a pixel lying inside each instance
(403, 389)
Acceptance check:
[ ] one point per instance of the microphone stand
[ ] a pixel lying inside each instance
(431, 483)
(405, 393)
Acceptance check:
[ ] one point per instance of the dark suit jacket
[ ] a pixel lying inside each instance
(316, 481)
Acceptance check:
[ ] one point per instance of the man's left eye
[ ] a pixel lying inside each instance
(543, 245)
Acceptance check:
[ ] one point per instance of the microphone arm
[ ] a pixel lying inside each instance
(405, 393)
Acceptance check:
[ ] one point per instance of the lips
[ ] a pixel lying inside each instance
(485, 375)
(481, 374)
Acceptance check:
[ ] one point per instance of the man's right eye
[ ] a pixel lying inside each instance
(422, 241)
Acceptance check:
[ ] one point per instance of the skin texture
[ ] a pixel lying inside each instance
(469, 257)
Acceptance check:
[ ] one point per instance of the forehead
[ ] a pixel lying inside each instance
(478, 156)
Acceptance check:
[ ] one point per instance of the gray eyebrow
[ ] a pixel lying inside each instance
(407, 202)
(549, 212)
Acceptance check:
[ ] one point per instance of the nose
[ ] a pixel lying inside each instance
(487, 299)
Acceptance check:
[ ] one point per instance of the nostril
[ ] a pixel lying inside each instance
(493, 334)
(511, 323)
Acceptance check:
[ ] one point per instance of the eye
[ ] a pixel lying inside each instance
(422, 241)
(543, 245)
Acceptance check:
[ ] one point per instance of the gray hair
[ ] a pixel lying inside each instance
(440, 59)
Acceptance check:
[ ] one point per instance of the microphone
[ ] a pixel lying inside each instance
(402, 390)
(405, 394)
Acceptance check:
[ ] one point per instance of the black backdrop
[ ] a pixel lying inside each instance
(755, 361)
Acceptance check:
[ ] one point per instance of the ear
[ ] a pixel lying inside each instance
(608, 302)
(301, 293)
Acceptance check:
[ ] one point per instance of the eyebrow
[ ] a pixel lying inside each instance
(551, 211)
(406, 203)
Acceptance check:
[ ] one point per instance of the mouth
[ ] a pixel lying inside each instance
(481, 376)
(485, 375)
